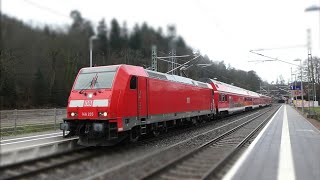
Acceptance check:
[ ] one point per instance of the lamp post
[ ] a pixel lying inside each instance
(276, 59)
(294, 85)
(291, 96)
(310, 9)
(302, 104)
(315, 91)
(91, 46)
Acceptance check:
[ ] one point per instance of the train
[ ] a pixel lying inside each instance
(108, 104)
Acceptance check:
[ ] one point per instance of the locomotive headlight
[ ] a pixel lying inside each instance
(73, 114)
(105, 114)
(90, 95)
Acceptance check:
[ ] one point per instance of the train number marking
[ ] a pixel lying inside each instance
(87, 103)
(87, 114)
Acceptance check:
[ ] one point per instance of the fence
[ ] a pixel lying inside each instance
(14, 122)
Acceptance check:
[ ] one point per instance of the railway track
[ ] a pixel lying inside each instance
(32, 168)
(14, 151)
(206, 160)
(157, 163)
(36, 166)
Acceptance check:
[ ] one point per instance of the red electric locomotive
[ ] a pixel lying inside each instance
(110, 103)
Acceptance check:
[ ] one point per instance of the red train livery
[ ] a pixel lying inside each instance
(110, 103)
(233, 99)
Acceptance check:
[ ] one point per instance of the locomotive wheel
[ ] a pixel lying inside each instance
(134, 134)
(156, 133)
(194, 121)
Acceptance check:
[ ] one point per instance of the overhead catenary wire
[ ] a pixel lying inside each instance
(183, 64)
(169, 61)
(280, 48)
(173, 56)
(272, 58)
(45, 8)
(243, 85)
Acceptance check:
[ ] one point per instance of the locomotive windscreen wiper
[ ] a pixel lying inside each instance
(90, 80)
(94, 81)
(84, 88)
(91, 84)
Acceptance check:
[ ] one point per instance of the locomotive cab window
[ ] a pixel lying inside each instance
(95, 79)
(133, 82)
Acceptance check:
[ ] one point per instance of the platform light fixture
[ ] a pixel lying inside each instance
(94, 37)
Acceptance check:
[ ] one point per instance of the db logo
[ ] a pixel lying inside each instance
(88, 103)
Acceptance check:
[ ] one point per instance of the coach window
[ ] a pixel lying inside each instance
(222, 97)
(133, 82)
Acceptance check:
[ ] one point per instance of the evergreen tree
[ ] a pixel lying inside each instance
(115, 39)
(124, 35)
(60, 53)
(135, 39)
(80, 25)
(40, 93)
(102, 36)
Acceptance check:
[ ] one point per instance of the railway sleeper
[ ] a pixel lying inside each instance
(168, 177)
(188, 168)
(184, 174)
(202, 165)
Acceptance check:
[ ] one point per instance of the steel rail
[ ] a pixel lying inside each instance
(236, 149)
(32, 152)
(29, 152)
(174, 162)
(109, 171)
(36, 166)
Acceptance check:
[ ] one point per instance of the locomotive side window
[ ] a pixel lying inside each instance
(222, 97)
(133, 82)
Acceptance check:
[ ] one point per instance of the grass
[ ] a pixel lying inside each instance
(317, 111)
(27, 129)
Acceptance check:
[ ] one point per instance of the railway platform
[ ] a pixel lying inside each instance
(288, 147)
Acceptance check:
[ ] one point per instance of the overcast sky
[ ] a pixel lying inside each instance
(224, 30)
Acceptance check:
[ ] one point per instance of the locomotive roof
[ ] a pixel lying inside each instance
(221, 86)
(175, 78)
(99, 69)
(137, 70)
